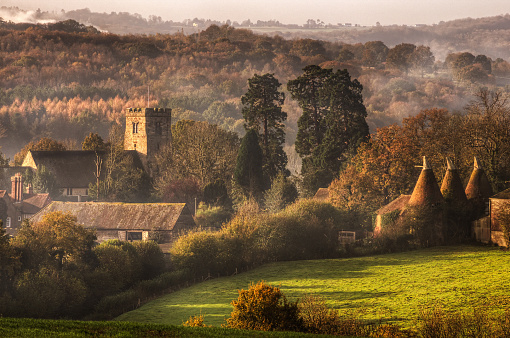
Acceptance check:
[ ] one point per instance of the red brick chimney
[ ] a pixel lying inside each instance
(30, 189)
(17, 187)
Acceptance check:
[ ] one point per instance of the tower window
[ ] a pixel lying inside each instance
(158, 128)
(135, 127)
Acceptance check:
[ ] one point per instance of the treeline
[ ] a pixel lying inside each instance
(202, 77)
(52, 269)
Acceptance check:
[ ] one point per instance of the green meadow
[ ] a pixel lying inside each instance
(389, 288)
(15, 327)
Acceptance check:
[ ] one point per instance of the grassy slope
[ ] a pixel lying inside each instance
(387, 287)
(13, 327)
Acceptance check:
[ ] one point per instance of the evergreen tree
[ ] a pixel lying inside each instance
(332, 125)
(248, 173)
(263, 113)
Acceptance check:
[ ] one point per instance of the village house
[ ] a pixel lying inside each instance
(146, 131)
(19, 205)
(162, 222)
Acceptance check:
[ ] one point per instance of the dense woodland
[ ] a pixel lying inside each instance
(65, 80)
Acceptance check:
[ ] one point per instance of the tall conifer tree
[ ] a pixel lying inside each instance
(263, 113)
(248, 173)
(332, 124)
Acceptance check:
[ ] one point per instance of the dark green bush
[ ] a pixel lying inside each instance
(197, 251)
(113, 306)
(151, 258)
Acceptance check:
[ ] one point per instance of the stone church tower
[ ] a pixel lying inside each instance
(147, 131)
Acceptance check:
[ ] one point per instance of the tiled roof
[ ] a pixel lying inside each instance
(452, 188)
(426, 191)
(123, 216)
(478, 185)
(32, 203)
(397, 204)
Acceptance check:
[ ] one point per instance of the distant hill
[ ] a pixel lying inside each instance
(489, 35)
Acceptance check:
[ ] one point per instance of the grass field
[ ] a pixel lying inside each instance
(393, 287)
(14, 327)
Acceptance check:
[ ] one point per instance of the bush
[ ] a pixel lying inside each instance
(48, 293)
(317, 317)
(148, 288)
(115, 270)
(113, 306)
(151, 258)
(264, 307)
(197, 251)
(436, 323)
(195, 321)
(212, 216)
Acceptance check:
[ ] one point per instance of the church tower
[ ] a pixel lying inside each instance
(147, 131)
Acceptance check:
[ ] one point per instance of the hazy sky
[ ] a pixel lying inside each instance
(365, 12)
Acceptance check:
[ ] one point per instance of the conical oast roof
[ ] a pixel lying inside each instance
(478, 185)
(452, 188)
(426, 191)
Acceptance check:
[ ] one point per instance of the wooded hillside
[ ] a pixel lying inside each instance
(64, 80)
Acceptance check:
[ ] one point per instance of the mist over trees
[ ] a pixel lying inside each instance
(66, 81)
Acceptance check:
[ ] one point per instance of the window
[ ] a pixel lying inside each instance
(158, 130)
(135, 127)
(134, 236)
(8, 222)
(69, 191)
(19, 218)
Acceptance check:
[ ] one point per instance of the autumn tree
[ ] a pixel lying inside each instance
(422, 59)
(484, 62)
(399, 57)
(374, 53)
(487, 125)
(9, 261)
(263, 113)
(93, 142)
(44, 144)
(282, 193)
(200, 151)
(3, 161)
(57, 240)
(384, 168)
(332, 124)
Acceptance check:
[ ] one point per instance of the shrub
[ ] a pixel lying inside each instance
(119, 267)
(49, 293)
(195, 321)
(212, 216)
(436, 323)
(151, 258)
(264, 307)
(161, 283)
(197, 251)
(113, 306)
(317, 317)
